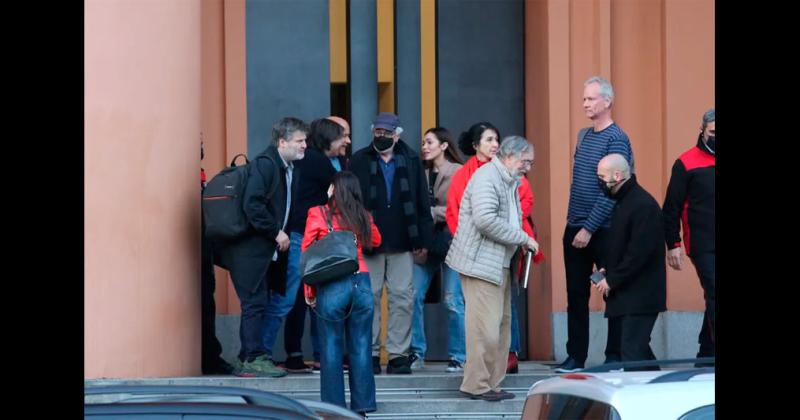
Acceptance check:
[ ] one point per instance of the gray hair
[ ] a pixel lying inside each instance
(286, 127)
(606, 90)
(707, 118)
(513, 146)
(617, 162)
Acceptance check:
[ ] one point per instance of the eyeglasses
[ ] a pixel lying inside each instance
(527, 162)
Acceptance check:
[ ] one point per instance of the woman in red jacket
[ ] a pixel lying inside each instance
(345, 303)
(481, 142)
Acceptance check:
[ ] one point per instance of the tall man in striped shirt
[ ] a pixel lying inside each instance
(588, 216)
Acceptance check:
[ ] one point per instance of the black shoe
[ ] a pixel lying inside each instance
(376, 365)
(569, 365)
(295, 364)
(399, 365)
(486, 396)
(611, 360)
(221, 367)
(503, 395)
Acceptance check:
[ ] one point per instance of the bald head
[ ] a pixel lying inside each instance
(615, 162)
(341, 121)
(340, 148)
(613, 171)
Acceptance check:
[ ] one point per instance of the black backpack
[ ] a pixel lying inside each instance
(223, 200)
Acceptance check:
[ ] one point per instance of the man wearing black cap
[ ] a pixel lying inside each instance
(393, 187)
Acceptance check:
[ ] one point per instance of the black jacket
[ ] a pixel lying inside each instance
(691, 201)
(315, 173)
(388, 214)
(249, 258)
(635, 260)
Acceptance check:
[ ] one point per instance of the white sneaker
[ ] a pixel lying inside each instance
(416, 361)
(454, 366)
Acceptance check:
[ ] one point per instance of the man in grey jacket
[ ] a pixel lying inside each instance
(489, 232)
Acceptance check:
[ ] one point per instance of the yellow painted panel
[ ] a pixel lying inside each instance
(385, 12)
(338, 40)
(427, 27)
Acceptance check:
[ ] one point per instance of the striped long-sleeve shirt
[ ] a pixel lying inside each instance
(588, 207)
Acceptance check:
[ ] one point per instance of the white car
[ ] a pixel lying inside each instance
(652, 395)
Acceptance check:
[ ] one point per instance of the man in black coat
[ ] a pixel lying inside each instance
(257, 261)
(395, 191)
(635, 281)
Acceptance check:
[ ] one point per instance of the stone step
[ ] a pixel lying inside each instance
(428, 393)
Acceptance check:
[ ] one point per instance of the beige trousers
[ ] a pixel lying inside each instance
(488, 333)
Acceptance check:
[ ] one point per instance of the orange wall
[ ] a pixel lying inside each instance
(142, 135)
(224, 105)
(659, 55)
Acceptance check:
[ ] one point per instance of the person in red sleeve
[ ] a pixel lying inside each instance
(345, 303)
(481, 141)
(690, 203)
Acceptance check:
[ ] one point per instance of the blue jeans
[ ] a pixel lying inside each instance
(335, 299)
(294, 328)
(453, 299)
(515, 291)
(278, 306)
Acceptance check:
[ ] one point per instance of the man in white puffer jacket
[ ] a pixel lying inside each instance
(488, 234)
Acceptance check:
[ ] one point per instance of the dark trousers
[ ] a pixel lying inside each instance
(632, 337)
(705, 265)
(254, 306)
(210, 347)
(578, 264)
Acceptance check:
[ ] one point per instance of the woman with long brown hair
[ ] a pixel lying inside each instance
(442, 160)
(345, 303)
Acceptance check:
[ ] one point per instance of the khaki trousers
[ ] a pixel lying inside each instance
(397, 271)
(488, 333)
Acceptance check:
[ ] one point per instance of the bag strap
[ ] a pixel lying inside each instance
(276, 175)
(233, 161)
(327, 214)
(582, 135)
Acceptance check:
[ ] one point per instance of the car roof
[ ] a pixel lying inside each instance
(634, 394)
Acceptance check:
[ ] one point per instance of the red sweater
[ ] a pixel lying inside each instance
(459, 183)
(317, 228)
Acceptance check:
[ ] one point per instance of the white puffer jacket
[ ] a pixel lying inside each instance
(484, 236)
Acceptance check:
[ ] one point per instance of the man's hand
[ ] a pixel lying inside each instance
(674, 258)
(603, 287)
(420, 256)
(531, 245)
(283, 241)
(582, 238)
(311, 302)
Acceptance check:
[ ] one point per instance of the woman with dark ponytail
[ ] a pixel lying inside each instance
(345, 303)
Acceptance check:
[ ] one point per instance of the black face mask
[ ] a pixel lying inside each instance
(605, 188)
(382, 144)
(711, 143)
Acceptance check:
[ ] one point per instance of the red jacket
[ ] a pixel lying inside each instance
(317, 228)
(459, 183)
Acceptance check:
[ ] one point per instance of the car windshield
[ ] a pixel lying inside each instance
(563, 407)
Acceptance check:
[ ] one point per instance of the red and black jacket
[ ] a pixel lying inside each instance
(690, 201)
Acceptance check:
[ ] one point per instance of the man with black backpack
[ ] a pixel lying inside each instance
(257, 258)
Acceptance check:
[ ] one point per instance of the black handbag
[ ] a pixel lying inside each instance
(441, 241)
(330, 258)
